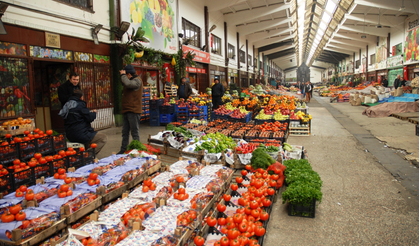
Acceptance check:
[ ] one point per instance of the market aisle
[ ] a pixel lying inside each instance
(362, 205)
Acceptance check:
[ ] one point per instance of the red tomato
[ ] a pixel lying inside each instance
(62, 176)
(181, 191)
(61, 170)
(8, 135)
(23, 188)
(233, 234)
(81, 149)
(62, 194)
(234, 187)
(180, 179)
(69, 193)
(244, 172)
(68, 180)
(15, 209)
(97, 181)
(93, 146)
(199, 241)
(221, 208)
(20, 216)
(239, 180)
(91, 182)
(248, 167)
(238, 218)
(264, 216)
(49, 132)
(221, 221)
(64, 187)
(266, 202)
(271, 191)
(226, 197)
(37, 155)
(211, 221)
(7, 218)
(16, 162)
(93, 175)
(259, 231)
(224, 241)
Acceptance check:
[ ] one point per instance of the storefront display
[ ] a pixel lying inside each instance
(392, 75)
(244, 80)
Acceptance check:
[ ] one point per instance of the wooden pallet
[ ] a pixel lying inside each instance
(414, 120)
(406, 116)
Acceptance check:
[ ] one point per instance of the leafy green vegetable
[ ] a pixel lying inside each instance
(170, 127)
(302, 194)
(304, 175)
(298, 164)
(135, 144)
(261, 159)
(272, 148)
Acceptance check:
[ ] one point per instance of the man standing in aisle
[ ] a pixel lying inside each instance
(308, 90)
(217, 92)
(385, 82)
(132, 95)
(65, 91)
(397, 82)
(184, 90)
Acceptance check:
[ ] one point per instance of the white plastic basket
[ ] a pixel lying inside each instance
(74, 145)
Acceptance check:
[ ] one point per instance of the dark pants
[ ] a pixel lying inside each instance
(131, 123)
(216, 102)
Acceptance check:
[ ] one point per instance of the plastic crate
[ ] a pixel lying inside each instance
(8, 153)
(302, 211)
(246, 119)
(167, 109)
(146, 89)
(6, 183)
(204, 109)
(81, 158)
(24, 177)
(59, 142)
(59, 163)
(43, 170)
(181, 109)
(154, 121)
(167, 118)
(44, 145)
(27, 149)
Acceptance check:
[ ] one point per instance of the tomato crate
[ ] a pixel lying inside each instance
(155, 104)
(301, 210)
(43, 170)
(8, 153)
(23, 177)
(6, 183)
(167, 118)
(59, 142)
(27, 149)
(56, 164)
(181, 109)
(81, 158)
(44, 145)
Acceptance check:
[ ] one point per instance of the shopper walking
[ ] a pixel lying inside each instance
(77, 122)
(184, 90)
(132, 95)
(397, 82)
(308, 90)
(65, 91)
(217, 92)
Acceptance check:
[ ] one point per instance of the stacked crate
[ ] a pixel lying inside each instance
(154, 112)
(182, 114)
(146, 104)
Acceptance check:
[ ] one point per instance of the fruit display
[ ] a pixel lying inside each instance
(222, 110)
(263, 116)
(279, 116)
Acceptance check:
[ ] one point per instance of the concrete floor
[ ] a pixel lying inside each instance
(363, 204)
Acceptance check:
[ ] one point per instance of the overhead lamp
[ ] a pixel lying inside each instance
(180, 35)
(212, 28)
(95, 31)
(121, 30)
(364, 36)
(3, 7)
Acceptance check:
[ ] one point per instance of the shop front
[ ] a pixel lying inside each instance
(394, 68)
(381, 74)
(198, 75)
(219, 73)
(252, 79)
(31, 73)
(233, 76)
(372, 76)
(244, 79)
(412, 71)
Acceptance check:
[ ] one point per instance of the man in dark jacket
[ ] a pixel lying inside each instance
(77, 118)
(132, 95)
(185, 90)
(385, 82)
(217, 92)
(397, 82)
(65, 91)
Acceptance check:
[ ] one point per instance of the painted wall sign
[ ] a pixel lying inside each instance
(83, 57)
(52, 40)
(200, 56)
(101, 58)
(411, 47)
(7, 48)
(192, 70)
(43, 52)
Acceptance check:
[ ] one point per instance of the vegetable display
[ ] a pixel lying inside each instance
(216, 143)
(261, 159)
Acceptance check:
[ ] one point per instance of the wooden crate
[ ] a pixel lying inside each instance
(140, 178)
(17, 130)
(38, 238)
(154, 169)
(89, 208)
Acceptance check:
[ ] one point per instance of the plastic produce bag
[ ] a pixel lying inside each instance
(245, 158)
(229, 157)
(212, 157)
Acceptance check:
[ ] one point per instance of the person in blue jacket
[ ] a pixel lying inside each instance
(77, 118)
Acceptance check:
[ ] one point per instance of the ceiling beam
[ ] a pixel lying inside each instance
(339, 50)
(268, 41)
(382, 32)
(385, 20)
(318, 67)
(341, 46)
(356, 37)
(217, 5)
(282, 53)
(263, 25)
(290, 68)
(271, 51)
(273, 46)
(348, 42)
(267, 34)
(410, 6)
(248, 15)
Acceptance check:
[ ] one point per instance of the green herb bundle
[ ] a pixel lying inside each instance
(261, 159)
(135, 144)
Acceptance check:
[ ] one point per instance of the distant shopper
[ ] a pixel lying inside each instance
(132, 95)
(397, 82)
(65, 91)
(385, 82)
(402, 82)
(308, 90)
(77, 118)
(217, 92)
(185, 90)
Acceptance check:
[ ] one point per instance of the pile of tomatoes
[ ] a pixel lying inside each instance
(14, 213)
(148, 185)
(181, 194)
(138, 213)
(246, 225)
(92, 179)
(186, 218)
(64, 191)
